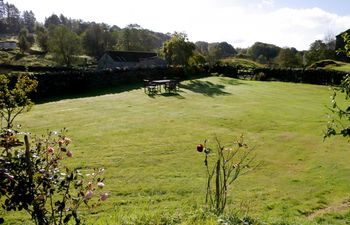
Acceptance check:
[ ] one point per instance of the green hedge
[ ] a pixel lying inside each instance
(309, 76)
(65, 82)
(52, 84)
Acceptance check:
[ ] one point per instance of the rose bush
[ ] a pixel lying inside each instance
(34, 178)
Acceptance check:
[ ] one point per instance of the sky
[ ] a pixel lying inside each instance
(286, 23)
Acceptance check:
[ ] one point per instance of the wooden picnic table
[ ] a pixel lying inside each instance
(155, 86)
(166, 82)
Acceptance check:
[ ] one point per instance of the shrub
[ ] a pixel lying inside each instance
(35, 179)
(14, 97)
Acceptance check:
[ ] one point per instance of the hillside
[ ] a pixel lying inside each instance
(331, 65)
(245, 63)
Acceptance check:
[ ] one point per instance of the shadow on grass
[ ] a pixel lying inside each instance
(205, 87)
(231, 81)
(92, 93)
(168, 94)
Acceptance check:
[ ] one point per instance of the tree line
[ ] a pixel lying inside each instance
(12, 20)
(65, 38)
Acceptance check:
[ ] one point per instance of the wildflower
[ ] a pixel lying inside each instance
(67, 140)
(104, 196)
(9, 176)
(100, 184)
(50, 150)
(90, 185)
(69, 153)
(88, 194)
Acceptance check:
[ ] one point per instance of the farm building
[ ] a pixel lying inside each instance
(339, 44)
(8, 44)
(128, 59)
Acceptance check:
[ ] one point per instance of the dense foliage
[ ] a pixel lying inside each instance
(340, 124)
(178, 50)
(64, 44)
(14, 97)
(34, 178)
(213, 52)
(263, 52)
(96, 38)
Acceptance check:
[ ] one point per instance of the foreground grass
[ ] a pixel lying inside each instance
(155, 176)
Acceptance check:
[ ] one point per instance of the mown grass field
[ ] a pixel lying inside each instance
(155, 176)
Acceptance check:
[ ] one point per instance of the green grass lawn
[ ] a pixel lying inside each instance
(344, 67)
(154, 174)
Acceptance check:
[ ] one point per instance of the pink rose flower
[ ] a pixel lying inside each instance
(69, 153)
(104, 196)
(88, 194)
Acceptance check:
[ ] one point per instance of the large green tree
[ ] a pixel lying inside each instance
(289, 57)
(268, 51)
(316, 52)
(178, 49)
(320, 50)
(97, 39)
(213, 52)
(64, 45)
(135, 38)
(24, 42)
(42, 37)
(29, 20)
(52, 20)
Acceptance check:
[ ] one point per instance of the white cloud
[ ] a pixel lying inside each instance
(284, 27)
(234, 21)
(268, 2)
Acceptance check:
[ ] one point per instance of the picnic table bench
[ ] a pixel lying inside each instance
(155, 86)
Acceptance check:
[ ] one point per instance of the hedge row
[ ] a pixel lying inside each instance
(310, 76)
(45, 69)
(58, 83)
(54, 84)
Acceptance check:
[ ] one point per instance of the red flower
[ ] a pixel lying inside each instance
(200, 148)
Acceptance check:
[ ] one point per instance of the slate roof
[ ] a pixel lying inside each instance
(347, 31)
(129, 56)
